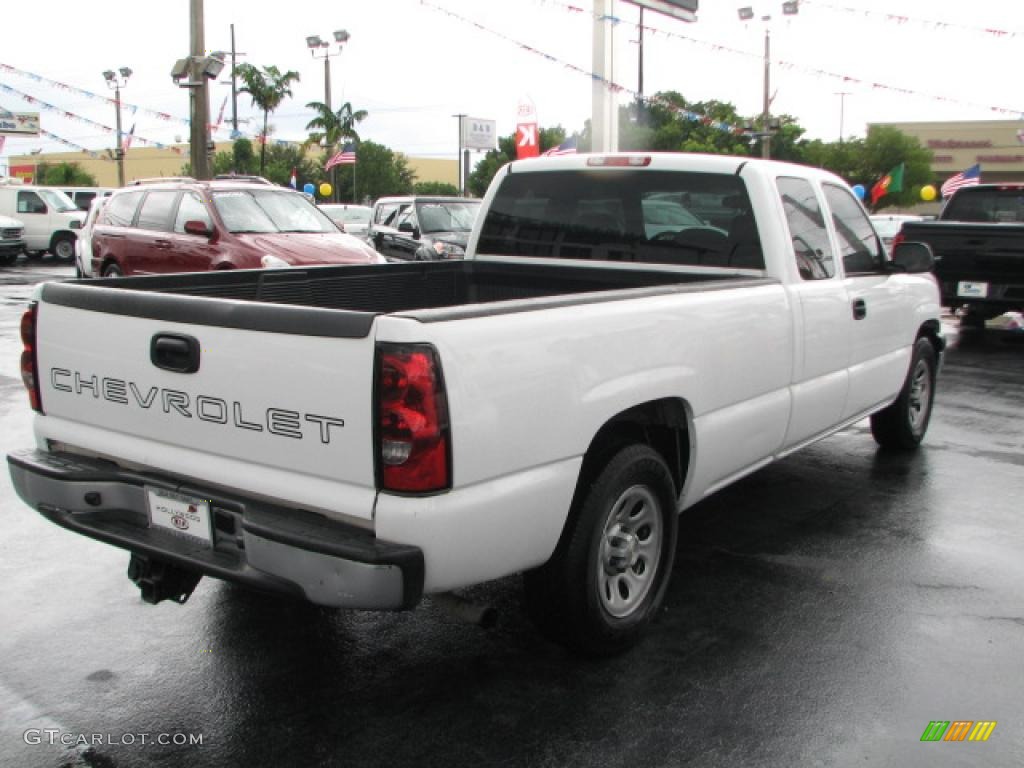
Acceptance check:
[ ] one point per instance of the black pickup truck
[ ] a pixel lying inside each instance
(978, 242)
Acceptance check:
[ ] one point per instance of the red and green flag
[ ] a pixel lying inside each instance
(891, 182)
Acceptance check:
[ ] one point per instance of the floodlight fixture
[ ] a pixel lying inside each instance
(109, 75)
(125, 72)
(180, 69)
(341, 36)
(314, 41)
(211, 66)
(791, 8)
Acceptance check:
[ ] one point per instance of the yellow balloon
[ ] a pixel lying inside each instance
(325, 190)
(928, 193)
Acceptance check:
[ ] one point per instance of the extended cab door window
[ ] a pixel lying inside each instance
(811, 247)
(859, 246)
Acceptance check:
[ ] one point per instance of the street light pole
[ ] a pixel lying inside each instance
(458, 180)
(316, 43)
(766, 151)
(117, 81)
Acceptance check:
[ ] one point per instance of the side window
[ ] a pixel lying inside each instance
(82, 199)
(155, 213)
(191, 209)
(811, 247)
(858, 244)
(120, 211)
(386, 215)
(30, 202)
(406, 216)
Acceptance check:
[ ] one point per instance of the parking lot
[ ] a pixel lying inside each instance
(823, 612)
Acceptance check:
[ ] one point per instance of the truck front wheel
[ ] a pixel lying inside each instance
(903, 424)
(610, 571)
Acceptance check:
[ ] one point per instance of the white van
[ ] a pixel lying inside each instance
(83, 196)
(51, 219)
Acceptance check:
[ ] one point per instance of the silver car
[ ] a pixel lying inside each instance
(355, 219)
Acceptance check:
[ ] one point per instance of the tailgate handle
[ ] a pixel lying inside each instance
(175, 352)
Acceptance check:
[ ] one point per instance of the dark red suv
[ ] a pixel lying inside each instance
(184, 225)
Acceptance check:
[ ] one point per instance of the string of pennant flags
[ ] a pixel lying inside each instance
(902, 19)
(609, 84)
(166, 117)
(787, 65)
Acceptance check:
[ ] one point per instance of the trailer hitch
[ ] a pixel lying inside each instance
(159, 580)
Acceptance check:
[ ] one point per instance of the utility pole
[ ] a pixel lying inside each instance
(842, 104)
(458, 181)
(640, 71)
(200, 112)
(234, 88)
(766, 151)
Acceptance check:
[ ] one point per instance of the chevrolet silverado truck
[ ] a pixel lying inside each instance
(362, 436)
(978, 246)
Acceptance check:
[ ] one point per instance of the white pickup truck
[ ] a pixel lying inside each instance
(628, 334)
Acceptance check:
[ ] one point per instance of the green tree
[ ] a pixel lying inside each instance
(886, 147)
(267, 87)
(331, 128)
(442, 188)
(378, 172)
(283, 157)
(64, 175)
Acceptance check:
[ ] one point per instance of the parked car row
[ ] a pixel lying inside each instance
(48, 218)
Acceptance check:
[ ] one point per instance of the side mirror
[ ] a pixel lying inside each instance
(406, 226)
(913, 257)
(197, 227)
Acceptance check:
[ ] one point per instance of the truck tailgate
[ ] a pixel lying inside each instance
(261, 406)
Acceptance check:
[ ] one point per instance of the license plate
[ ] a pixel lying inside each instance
(182, 514)
(972, 290)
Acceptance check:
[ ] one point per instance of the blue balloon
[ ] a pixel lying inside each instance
(309, 189)
(858, 190)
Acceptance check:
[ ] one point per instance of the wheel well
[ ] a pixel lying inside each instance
(661, 424)
(932, 331)
(61, 234)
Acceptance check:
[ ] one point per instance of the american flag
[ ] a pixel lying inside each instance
(126, 142)
(567, 147)
(968, 178)
(347, 156)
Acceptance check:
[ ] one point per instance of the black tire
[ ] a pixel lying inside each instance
(608, 575)
(112, 270)
(903, 424)
(63, 247)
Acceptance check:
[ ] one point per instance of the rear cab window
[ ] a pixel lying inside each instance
(657, 217)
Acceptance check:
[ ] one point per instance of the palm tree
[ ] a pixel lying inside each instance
(267, 88)
(333, 128)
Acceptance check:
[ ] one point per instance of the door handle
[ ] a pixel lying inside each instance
(860, 309)
(160, 243)
(175, 352)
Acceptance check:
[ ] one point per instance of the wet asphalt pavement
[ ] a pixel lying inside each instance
(822, 612)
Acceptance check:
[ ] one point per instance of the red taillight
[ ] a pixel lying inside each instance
(619, 161)
(413, 447)
(29, 360)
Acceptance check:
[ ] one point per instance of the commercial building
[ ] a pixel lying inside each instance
(997, 145)
(152, 162)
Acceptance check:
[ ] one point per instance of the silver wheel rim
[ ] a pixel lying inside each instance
(65, 249)
(630, 552)
(920, 396)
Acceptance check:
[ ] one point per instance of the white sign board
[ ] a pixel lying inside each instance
(20, 124)
(479, 134)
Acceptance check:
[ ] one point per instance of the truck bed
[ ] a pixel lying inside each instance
(342, 301)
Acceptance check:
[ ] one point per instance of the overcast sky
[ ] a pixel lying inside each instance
(413, 65)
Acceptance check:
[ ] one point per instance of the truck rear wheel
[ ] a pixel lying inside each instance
(610, 571)
(903, 424)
